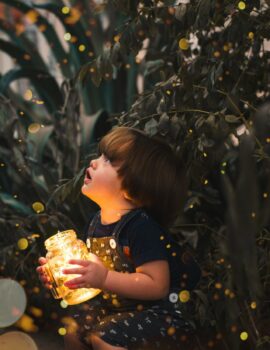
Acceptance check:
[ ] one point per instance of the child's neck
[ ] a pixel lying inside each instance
(109, 216)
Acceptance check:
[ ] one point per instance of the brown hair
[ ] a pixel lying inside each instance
(151, 173)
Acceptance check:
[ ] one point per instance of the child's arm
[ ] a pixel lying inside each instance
(150, 281)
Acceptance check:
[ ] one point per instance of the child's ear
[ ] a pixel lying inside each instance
(127, 196)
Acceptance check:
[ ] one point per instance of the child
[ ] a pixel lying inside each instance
(139, 184)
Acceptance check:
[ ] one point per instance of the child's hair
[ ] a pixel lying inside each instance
(151, 173)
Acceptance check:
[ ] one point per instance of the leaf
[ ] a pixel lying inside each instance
(151, 127)
(15, 204)
(230, 118)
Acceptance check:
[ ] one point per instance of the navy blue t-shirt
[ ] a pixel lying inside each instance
(145, 240)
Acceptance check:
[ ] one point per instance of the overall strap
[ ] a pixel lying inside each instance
(118, 228)
(93, 224)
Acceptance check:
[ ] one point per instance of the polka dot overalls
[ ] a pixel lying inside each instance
(128, 323)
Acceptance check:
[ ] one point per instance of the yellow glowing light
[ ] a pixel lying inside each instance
(183, 44)
(226, 48)
(191, 206)
(36, 290)
(33, 128)
(140, 307)
(32, 16)
(38, 207)
(90, 54)
(28, 95)
(81, 48)
(216, 54)
(251, 35)
(62, 331)
(73, 17)
(222, 172)
(184, 296)
(127, 66)
(171, 331)
(241, 5)
(218, 285)
(39, 102)
(268, 140)
(116, 38)
(2, 165)
(232, 295)
(22, 243)
(205, 181)
(92, 70)
(26, 323)
(168, 246)
(63, 304)
(65, 10)
(253, 305)
(227, 291)
(204, 154)
(168, 92)
(243, 336)
(190, 131)
(174, 254)
(36, 311)
(265, 195)
(67, 36)
(161, 238)
(224, 164)
(253, 215)
(17, 225)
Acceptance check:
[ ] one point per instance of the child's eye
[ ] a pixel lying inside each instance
(106, 159)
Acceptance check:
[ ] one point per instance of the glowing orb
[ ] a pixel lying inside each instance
(241, 5)
(33, 128)
(17, 340)
(183, 44)
(184, 296)
(243, 336)
(62, 331)
(22, 243)
(13, 302)
(38, 207)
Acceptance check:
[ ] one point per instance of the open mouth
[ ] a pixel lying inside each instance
(88, 175)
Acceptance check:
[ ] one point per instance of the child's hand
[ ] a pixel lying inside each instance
(93, 273)
(43, 277)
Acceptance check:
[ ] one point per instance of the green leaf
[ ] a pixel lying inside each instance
(15, 204)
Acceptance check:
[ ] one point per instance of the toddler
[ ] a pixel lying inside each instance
(139, 184)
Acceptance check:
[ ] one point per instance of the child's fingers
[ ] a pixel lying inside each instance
(42, 260)
(80, 262)
(77, 282)
(74, 271)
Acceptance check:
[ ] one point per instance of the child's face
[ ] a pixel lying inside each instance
(102, 183)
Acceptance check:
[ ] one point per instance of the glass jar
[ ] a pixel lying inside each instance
(62, 247)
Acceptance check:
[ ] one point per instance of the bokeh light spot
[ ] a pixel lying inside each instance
(241, 5)
(28, 95)
(33, 128)
(38, 207)
(67, 36)
(184, 296)
(183, 44)
(13, 302)
(22, 243)
(244, 336)
(17, 340)
(62, 331)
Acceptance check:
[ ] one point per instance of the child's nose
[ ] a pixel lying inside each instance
(93, 163)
